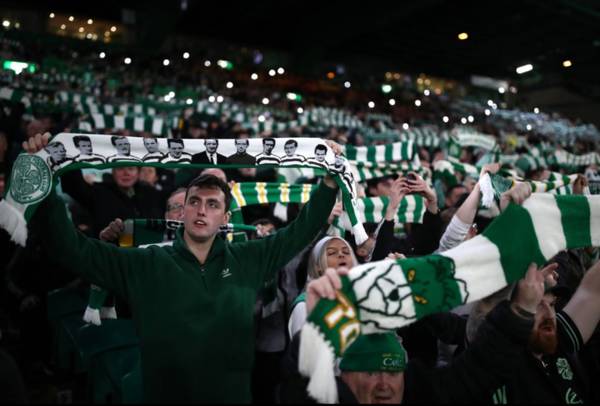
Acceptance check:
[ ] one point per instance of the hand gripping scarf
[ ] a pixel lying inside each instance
(34, 175)
(388, 294)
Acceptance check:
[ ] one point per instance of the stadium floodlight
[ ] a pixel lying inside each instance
(524, 68)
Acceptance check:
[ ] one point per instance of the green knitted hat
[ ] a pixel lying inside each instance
(374, 352)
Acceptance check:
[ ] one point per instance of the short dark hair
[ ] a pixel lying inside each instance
(291, 142)
(214, 139)
(172, 140)
(268, 139)
(207, 181)
(114, 139)
(321, 147)
(78, 138)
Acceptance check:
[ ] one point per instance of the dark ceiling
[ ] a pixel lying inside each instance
(412, 36)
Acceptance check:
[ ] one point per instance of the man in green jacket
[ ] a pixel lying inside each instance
(192, 302)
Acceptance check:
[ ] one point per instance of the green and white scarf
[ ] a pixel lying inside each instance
(396, 152)
(493, 186)
(460, 137)
(370, 209)
(155, 125)
(34, 175)
(389, 294)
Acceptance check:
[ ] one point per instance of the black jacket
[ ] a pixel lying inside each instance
(422, 240)
(106, 202)
(555, 379)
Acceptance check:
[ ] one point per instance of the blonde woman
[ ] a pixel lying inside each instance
(329, 252)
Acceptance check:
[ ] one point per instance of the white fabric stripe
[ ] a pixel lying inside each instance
(547, 223)
(594, 202)
(119, 122)
(157, 125)
(482, 273)
(366, 282)
(380, 153)
(98, 121)
(361, 154)
(138, 124)
(109, 109)
(377, 209)
(396, 152)
(410, 209)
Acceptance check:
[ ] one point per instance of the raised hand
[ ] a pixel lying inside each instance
(335, 212)
(36, 143)
(113, 231)
(530, 289)
(324, 287)
(418, 185)
(518, 194)
(398, 190)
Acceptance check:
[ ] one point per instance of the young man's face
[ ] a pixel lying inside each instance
(290, 149)
(176, 149)
(123, 147)
(211, 146)
(151, 145)
(125, 176)
(241, 146)
(320, 155)
(204, 213)
(268, 146)
(376, 387)
(85, 147)
(57, 152)
(543, 338)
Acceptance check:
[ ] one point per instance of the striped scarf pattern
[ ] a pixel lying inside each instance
(389, 294)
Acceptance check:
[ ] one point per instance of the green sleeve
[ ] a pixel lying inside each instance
(115, 269)
(264, 257)
(97, 297)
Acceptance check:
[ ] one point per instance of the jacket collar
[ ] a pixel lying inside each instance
(217, 249)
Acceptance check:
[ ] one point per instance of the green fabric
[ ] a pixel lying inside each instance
(97, 297)
(195, 321)
(299, 299)
(511, 248)
(575, 220)
(373, 353)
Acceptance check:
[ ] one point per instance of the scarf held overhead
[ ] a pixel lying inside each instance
(34, 175)
(389, 294)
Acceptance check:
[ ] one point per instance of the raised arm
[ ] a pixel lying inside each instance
(385, 235)
(276, 250)
(101, 263)
(584, 306)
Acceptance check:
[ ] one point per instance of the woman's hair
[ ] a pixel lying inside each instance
(317, 261)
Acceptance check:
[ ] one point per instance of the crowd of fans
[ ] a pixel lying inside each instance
(463, 355)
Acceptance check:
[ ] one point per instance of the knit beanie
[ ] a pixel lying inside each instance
(373, 353)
